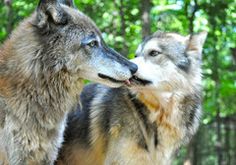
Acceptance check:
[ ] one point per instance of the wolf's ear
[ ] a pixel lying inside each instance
(69, 3)
(50, 12)
(195, 44)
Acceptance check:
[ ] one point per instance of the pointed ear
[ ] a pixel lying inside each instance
(50, 12)
(195, 44)
(69, 3)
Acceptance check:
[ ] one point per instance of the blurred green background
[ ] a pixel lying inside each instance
(125, 22)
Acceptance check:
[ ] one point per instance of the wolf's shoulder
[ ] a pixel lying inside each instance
(90, 91)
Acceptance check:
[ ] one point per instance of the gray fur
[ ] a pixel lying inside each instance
(41, 70)
(144, 124)
(118, 107)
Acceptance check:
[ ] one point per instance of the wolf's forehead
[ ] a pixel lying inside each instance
(151, 44)
(177, 38)
(146, 45)
(80, 19)
(155, 43)
(163, 42)
(166, 43)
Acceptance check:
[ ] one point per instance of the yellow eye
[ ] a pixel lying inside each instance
(93, 43)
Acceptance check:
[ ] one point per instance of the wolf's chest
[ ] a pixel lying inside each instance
(168, 133)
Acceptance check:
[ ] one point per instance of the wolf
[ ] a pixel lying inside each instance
(42, 67)
(147, 122)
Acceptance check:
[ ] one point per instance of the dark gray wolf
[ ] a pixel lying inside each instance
(41, 70)
(148, 122)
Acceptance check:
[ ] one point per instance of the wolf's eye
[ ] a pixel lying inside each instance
(93, 43)
(154, 53)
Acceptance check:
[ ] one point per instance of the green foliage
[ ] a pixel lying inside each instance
(217, 17)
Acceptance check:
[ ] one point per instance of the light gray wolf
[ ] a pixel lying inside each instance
(146, 123)
(42, 66)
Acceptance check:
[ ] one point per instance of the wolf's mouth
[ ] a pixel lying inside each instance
(138, 81)
(112, 79)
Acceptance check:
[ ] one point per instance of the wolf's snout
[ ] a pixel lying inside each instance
(123, 61)
(133, 68)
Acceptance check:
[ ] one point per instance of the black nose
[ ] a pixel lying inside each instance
(133, 68)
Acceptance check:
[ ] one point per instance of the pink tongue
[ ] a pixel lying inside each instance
(127, 82)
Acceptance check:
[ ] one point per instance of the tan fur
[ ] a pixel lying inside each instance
(79, 157)
(125, 152)
(3, 159)
(84, 156)
(164, 113)
(4, 87)
(147, 124)
(97, 153)
(150, 101)
(115, 131)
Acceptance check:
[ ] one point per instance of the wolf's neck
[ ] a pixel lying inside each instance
(155, 101)
(176, 116)
(45, 95)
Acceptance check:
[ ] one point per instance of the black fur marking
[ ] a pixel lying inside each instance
(143, 114)
(155, 137)
(189, 105)
(78, 121)
(191, 117)
(141, 109)
(105, 120)
(109, 78)
(108, 115)
(184, 64)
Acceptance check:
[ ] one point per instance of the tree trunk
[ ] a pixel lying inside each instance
(120, 5)
(9, 26)
(234, 147)
(192, 151)
(233, 51)
(227, 141)
(145, 13)
(217, 106)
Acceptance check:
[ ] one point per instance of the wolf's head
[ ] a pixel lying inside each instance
(70, 41)
(169, 62)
